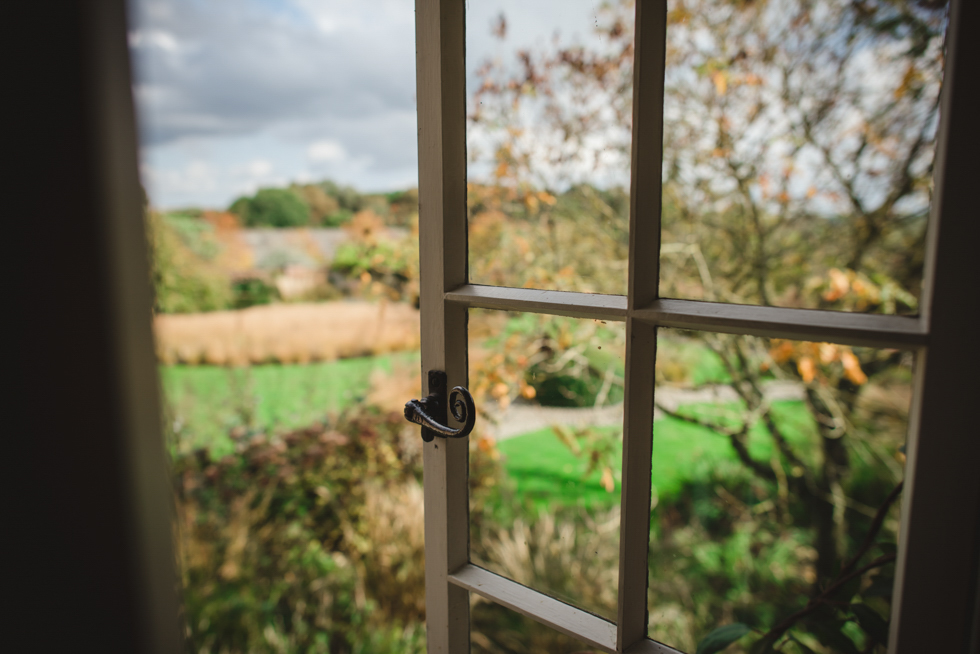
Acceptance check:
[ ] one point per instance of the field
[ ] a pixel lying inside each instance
(287, 333)
(206, 403)
(319, 449)
(547, 473)
(299, 483)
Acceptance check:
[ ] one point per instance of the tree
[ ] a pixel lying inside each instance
(321, 205)
(183, 281)
(797, 172)
(272, 207)
(787, 124)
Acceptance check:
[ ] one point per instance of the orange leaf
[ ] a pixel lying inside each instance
(607, 480)
(807, 369)
(782, 351)
(721, 82)
(839, 285)
(852, 368)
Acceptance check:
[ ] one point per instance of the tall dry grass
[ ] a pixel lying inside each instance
(287, 333)
(389, 548)
(576, 561)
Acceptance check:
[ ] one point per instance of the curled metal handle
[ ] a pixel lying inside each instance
(431, 411)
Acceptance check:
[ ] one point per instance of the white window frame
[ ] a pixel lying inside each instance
(936, 590)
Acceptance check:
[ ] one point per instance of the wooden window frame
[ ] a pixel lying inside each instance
(936, 590)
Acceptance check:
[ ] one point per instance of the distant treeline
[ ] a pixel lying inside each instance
(322, 204)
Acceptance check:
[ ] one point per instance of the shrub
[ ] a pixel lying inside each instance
(338, 218)
(372, 264)
(252, 291)
(276, 540)
(346, 196)
(309, 541)
(183, 281)
(321, 205)
(403, 207)
(272, 207)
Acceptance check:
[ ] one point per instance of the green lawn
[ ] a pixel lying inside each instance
(206, 402)
(545, 471)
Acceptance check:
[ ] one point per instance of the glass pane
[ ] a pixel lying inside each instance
(771, 459)
(498, 630)
(549, 89)
(798, 151)
(546, 459)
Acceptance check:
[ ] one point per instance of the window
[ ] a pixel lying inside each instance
(936, 573)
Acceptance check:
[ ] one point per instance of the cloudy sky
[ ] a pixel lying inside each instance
(237, 94)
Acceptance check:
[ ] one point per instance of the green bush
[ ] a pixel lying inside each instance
(308, 541)
(346, 196)
(183, 281)
(272, 544)
(338, 218)
(321, 205)
(272, 207)
(253, 291)
(391, 268)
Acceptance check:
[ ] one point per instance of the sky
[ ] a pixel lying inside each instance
(235, 95)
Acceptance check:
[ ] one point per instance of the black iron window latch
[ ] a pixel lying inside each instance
(431, 411)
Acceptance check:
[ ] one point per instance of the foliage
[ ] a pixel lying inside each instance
(321, 205)
(207, 403)
(347, 197)
(530, 238)
(374, 266)
(721, 638)
(775, 144)
(554, 360)
(252, 291)
(183, 281)
(195, 233)
(308, 540)
(271, 542)
(338, 218)
(403, 207)
(788, 180)
(272, 207)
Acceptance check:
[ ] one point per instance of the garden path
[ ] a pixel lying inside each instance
(520, 419)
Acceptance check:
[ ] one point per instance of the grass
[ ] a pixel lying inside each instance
(548, 474)
(206, 402)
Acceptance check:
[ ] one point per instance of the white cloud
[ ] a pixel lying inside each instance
(311, 87)
(259, 168)
(324, 16)
(250, 177)
(326, 151)
(152, 38)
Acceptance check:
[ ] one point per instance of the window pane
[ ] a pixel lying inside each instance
(546, 458)
(798, 151)
(549, 90)
(771, 459)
